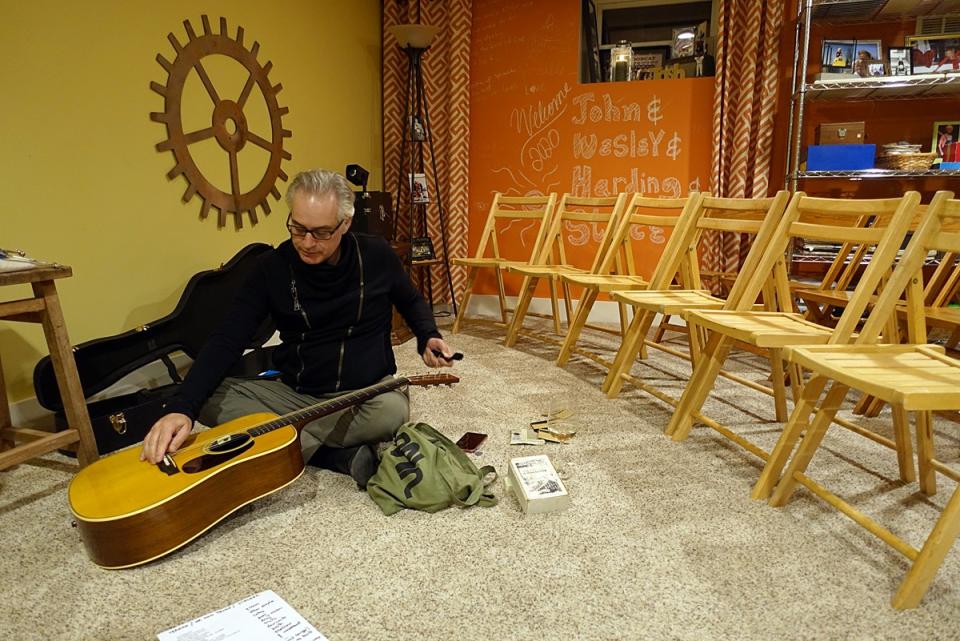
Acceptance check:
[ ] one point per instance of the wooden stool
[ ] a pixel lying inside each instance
(44, 308)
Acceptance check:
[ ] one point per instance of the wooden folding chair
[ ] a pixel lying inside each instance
(592, 217)
(755, 216)
(940, 291)
(915, 377)
(825, 219)
(617, 270)
(528, 219)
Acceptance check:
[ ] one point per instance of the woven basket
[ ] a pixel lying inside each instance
(917, 161)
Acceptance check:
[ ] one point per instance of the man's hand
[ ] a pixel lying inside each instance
(438, 361)
(166, 435)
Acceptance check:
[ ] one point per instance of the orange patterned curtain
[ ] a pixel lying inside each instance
(745, 97)
(446, 76)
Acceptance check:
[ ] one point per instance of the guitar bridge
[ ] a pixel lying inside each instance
(168, 466)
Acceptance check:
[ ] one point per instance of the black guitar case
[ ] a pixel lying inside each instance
(124, 420)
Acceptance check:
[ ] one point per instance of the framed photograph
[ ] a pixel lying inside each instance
(421, 249)
(837, 56)
(935, 54)
(944, 133)
(850, 56)
(418, 187)
(683, 41)
(648, 58)
(900, 60)
(876, 68)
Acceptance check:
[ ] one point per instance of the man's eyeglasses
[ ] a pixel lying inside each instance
(299, 231)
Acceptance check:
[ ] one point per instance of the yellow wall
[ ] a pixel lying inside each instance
(82, 182)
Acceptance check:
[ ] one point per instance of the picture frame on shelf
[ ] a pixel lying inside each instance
(935, 54)
(645, 59)
(850, 56)
(876, 68)
(682, 42)
(945, 132)
(900, 60)
(836, 56)
(418, 188)
(421, 249)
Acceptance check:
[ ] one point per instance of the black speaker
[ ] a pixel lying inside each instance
(373, 214)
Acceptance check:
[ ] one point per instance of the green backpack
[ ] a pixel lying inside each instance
(424, 470)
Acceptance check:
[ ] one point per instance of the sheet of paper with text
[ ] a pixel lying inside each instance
(261, 617)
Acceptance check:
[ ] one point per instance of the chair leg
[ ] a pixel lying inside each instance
(860, 408)
(573, 333)
(698, 387)
(925, 452)
(627, 354)
(502, 296)
(808, 446)
(661, 329)
(624, 318)
(526, 294)
(796, 381)
(555, 305)
(567, 303)
(465, 300)
(874, 408)
(779, 385)
(934, 549)
(792, 432)
(904, 445)
(696, 341)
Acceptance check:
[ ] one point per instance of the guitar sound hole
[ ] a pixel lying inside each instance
(228, 443)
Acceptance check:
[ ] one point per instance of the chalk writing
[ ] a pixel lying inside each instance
(584, 185)
(632, 144)
(535, 118)
(653, 110)
(543, 148)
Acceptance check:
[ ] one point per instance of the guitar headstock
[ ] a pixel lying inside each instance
(428, 380)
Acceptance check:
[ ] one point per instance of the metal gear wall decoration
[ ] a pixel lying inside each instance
(226, 111)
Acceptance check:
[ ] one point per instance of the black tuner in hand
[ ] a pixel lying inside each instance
(457, 356)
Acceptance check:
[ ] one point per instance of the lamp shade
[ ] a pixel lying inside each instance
(418, 36)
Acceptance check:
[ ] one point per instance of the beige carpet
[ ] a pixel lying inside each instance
(662, 540)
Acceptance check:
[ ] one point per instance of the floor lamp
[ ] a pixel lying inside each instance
(416, 142)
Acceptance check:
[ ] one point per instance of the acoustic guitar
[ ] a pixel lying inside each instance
(130, 512)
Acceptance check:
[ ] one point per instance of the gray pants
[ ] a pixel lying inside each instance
(375, 421)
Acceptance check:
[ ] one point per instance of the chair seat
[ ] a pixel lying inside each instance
(545, 271)
(919, 377)
(671, 302)
(606, 282)
(763, 329)
(945, 317)
(502, 263)
(824, 296)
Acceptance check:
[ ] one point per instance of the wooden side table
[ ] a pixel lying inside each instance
(18, 444)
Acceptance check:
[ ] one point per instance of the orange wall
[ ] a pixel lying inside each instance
(535, 129)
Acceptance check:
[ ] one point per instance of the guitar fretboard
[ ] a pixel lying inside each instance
(327, 407)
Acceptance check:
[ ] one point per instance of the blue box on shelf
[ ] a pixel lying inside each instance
(952, 166)
(840, 157)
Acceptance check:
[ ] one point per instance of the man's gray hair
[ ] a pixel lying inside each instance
(319, 182)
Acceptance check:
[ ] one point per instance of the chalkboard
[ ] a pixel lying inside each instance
(536, 129)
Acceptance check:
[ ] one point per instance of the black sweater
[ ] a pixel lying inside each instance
(334, 321)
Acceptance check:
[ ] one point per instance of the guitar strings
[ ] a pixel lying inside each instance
(289, 418)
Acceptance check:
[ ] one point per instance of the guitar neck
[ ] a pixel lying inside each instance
(300, 417)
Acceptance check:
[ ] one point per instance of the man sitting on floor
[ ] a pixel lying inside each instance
(330, 295)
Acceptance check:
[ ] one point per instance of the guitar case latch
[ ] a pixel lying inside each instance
(119, 423)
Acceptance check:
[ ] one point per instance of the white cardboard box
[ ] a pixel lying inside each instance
(536, 484)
